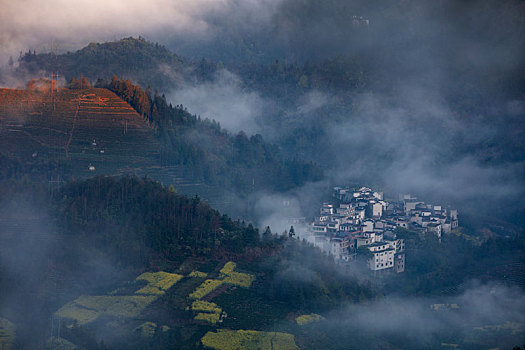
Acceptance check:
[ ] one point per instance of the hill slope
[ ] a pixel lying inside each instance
(139, 59)
(118, 128)
(87, 127)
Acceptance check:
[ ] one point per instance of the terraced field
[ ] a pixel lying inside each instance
(89, 132)
(241, 339)
(86, 127)
(88, 308)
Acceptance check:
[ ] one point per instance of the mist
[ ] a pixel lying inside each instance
(416, 142)
(482, 315)
(224, 100)
(34, 275)
(59, 25)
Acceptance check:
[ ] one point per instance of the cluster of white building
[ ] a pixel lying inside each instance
(363, 218)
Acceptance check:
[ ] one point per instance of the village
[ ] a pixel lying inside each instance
(359, 219)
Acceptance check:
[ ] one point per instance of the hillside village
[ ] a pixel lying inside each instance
(363, 218)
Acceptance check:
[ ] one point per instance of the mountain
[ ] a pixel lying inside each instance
(129, 58)
(88, 128)
(78, 133)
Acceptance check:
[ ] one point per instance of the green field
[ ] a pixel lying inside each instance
(248, 340)
(307, 319)
(86, 308)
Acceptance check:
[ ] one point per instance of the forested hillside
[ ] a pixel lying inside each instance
(93, 236)
(137, 59)
(81, 131)
(235, 161)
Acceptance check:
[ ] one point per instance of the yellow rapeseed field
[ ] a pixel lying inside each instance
(212, 318)
(196, 273)
(205, 288)
(158, 282)
(201, 305)
(248, 340)
(306, 319)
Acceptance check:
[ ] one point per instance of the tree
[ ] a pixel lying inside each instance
(267, 234)
(365, 253)
(79, 83)
(291, 233)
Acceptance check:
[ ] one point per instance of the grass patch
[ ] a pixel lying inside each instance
(248, 340)
(247, 309)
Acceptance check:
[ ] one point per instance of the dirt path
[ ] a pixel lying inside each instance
(73, 128)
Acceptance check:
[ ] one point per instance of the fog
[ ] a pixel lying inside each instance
(482, 315)
(61, 25)
(415, 142)
(35, 278)
(441, 108)
(224, 100)
(440, 116)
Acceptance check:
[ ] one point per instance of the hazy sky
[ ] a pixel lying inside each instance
(34, 24)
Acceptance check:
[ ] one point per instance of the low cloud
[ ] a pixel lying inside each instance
(224, 100)
(489, 315)
(61, 25)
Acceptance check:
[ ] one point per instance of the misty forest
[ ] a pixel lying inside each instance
(275, 174)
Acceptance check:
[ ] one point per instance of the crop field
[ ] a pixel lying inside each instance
(201, 305)
(196, 273)
(205, 288)
(7, 334)
(212, 318)
(90, 126)
(307, 319)
(86, 309)
(248, 340)
(239, 279)
(131, 307)
(228, 268)
(235, 278)
(89, 132)
(158, 282)
(210, 311)
(228, 276)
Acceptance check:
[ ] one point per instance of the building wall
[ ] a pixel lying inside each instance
(382, 260)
